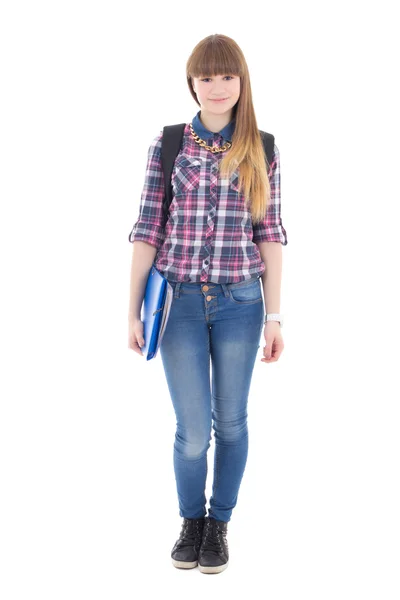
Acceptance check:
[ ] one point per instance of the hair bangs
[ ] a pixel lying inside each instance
(215, 57)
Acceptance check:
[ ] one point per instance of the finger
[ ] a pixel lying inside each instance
(267, 351)
(276, 352)
(135, 347)
(269, 355)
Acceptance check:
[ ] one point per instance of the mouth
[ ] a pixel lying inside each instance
(219, 99)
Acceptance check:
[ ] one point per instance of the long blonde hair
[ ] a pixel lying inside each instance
(218, 54)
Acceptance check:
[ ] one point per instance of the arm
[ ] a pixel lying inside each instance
(270, 228)
(148, 233)
(143, 256)
(270, 236)
(271, 255)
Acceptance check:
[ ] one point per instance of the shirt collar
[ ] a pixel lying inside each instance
(201, 131)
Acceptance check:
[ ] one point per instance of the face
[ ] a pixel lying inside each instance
(210, 89)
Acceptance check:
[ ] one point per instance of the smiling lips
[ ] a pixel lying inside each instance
(219, 99)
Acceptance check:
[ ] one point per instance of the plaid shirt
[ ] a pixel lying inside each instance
(209, 235)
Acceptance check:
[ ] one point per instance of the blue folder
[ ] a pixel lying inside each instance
(156, 309)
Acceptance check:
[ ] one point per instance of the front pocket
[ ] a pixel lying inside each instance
(246, 294)
(186, 174)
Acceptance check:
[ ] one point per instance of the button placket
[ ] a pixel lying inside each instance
(212, 207)
(207, 296)
(206, 287)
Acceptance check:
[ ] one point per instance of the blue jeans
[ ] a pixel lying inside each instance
(221, 322)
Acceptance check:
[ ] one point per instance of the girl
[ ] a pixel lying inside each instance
(223, 234)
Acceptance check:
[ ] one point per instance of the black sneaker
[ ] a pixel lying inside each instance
(214, 553)
(185, 552)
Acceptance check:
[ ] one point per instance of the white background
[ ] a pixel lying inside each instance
(88, 501)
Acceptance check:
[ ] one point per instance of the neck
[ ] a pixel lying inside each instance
(215, 122)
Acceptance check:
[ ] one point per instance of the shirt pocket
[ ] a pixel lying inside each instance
(186, 175)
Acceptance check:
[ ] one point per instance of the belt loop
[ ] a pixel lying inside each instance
(225, 290)
(177, 288)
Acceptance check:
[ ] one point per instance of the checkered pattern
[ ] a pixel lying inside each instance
(209, 235)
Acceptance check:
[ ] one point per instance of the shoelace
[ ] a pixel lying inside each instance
(211, 537)
(190, 533)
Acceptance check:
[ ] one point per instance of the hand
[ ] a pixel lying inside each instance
(135, 335)
(274, 342)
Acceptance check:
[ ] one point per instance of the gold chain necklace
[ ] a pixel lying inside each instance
(212, 149)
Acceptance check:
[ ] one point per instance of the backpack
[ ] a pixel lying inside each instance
(171, 144)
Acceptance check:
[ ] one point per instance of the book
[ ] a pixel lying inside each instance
(157, 303)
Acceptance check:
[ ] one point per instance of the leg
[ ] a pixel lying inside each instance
(185, 355)
(234, 346)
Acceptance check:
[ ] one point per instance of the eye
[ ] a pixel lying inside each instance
(231, 76)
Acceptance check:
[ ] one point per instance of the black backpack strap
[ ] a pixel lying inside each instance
(170, 146)
(269, 143)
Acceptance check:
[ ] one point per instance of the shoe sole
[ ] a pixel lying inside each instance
(184, 564)
(217, 569)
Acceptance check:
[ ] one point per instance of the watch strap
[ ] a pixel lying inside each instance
(274, 317)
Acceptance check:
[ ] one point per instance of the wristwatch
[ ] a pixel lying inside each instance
(274, 317)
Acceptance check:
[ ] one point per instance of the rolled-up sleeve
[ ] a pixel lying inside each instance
(270, 229)
(148, 226)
